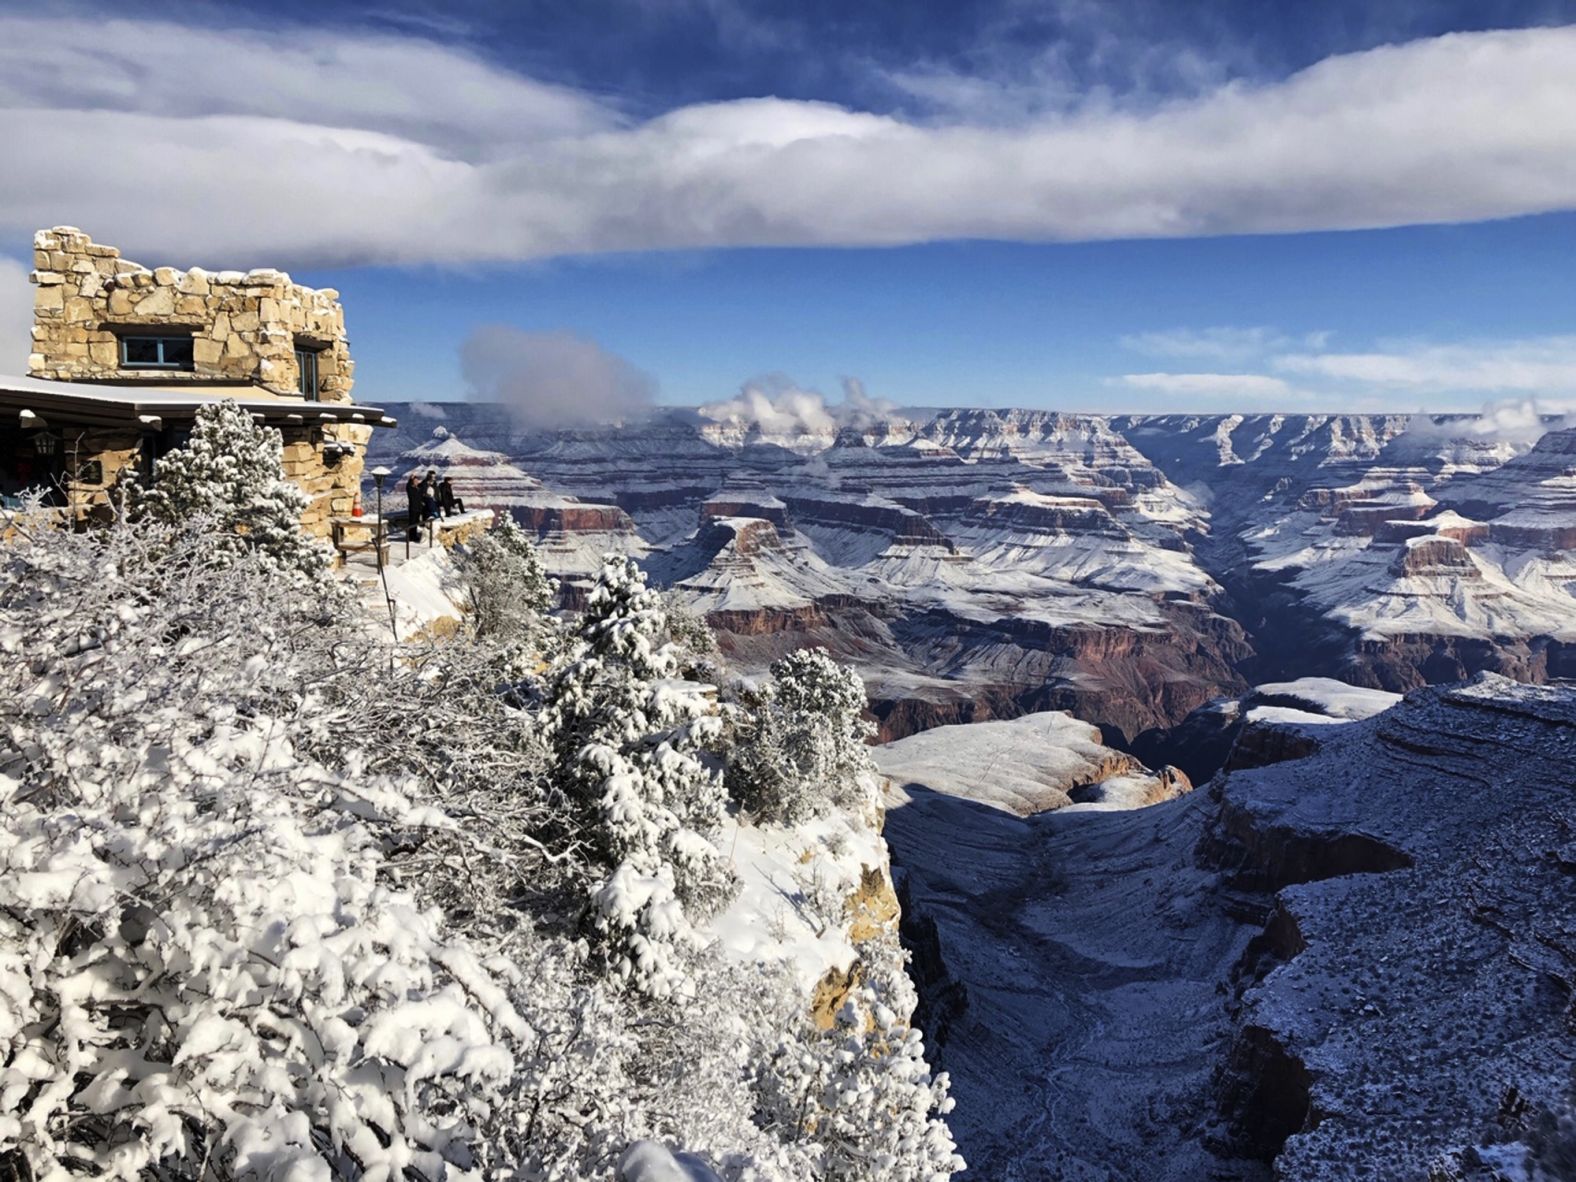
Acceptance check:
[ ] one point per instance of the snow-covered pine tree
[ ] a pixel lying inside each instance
(802, 745)
(693, 639)
(508, 589)
(231, 471)
(626, 742)
(861, 1093)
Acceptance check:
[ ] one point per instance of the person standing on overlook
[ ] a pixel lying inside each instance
(413, 504)
(429, 496)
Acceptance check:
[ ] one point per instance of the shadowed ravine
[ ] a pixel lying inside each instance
(1347, 957)
(1092, 953)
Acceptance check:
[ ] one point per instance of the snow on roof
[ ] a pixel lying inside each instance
(175, 397)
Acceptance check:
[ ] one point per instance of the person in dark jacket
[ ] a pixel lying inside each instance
(450, 503)
(414, 505)
(429, 496)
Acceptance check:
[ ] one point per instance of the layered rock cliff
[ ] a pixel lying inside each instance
(1350, 957)
(979, 564)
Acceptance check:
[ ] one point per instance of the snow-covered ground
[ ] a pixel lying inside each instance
(1021, 765)
(796, 882)
(1323, 698)
(425, 594)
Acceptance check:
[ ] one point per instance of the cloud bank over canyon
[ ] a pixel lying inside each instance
(352, 148)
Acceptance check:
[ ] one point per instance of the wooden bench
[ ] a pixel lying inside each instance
(378, 536)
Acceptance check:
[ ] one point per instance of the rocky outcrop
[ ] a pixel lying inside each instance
(1436, 969)
(1433, 557)
(760, 505)
(1127, 680)
(1271, 723)
(899, 524)
(561, 515)
(1026, 765)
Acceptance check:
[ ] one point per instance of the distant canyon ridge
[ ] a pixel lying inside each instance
(979, 564)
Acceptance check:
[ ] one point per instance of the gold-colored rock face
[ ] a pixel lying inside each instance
(873, 907)
(832, 990)
(244, 326)
(873, 911)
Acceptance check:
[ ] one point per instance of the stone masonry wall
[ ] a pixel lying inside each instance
(332, 485)
(95, 458)
(245, 326)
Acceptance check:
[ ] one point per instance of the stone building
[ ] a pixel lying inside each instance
(123, 355)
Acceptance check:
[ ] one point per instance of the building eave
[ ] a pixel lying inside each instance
(146, 406)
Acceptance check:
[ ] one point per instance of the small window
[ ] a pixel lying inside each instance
(306, 373)
(156, 352)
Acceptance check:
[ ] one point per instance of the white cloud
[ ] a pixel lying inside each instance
(1537, 365)
(1538, 372)
(306, 147)
(16, 316)
(1223, 344)
(1231, 385)
(1509, 420)
(553, 379)
(399, 85)
(776, 406)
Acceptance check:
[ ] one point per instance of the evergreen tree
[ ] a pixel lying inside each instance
(626, 742)
(861, 1093)
(507, 587)
(510, 590)
(231, 472)
(802, 747)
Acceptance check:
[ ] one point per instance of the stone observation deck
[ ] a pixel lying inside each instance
(124, 354)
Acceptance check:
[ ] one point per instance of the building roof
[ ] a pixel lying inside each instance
(108, 405)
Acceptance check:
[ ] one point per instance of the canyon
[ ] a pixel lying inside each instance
(1349, 956)
(1229, 798)
(1130, 570)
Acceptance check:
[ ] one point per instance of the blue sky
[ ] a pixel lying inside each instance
(1127, 206)
(984, 324)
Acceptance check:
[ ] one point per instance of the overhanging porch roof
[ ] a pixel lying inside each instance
(89, 404)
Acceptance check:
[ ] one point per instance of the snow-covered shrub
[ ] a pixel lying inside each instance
(693, 640)
(860, 1095)
(1527, 1142)
(606, 1066)
(231, 471)
(279, 899)
(626, 741)
(801, 747)
(507, 587)
(203, 968)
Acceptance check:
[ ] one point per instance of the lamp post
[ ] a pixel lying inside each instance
(380, 532)
(379, 475)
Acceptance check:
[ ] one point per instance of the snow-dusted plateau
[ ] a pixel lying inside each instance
(1192, 890)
